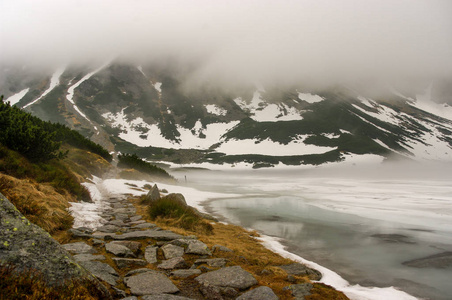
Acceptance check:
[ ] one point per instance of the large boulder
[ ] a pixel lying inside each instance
(26, 246)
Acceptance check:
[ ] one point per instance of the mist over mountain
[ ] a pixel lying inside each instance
(265, 83)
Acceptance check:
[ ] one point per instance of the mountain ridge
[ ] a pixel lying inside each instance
(148, 111)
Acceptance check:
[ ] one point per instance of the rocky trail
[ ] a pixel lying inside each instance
(141, 261)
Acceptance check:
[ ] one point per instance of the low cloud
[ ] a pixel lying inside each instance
(235, 42)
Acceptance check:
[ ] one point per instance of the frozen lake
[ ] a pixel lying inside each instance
(362, 223)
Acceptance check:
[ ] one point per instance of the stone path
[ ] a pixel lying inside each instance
(147, 262)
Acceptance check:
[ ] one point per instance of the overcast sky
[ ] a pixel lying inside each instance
(260, 40)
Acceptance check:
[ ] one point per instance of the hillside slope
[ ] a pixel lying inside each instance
(151, 112)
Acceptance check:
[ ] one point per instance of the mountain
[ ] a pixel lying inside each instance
(155, 113)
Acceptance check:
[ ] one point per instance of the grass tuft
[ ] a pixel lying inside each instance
(171, 211)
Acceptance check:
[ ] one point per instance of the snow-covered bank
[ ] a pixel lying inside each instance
(89, 214)
(354, 292)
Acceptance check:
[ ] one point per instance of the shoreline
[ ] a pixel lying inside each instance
(329, 277)
(274, 244)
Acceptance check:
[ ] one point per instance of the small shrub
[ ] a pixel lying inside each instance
(173, 211)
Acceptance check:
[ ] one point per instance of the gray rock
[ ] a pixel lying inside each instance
(301, 270)
(101, 271)
(103, 235)
(118, 223)
(300, 290)
(79, 247)
(171, 251)
(133, 223)
(212, 262)
(97, 242)
(119, 293)
(128, 262)
(210, 292)
(164, 297)
(79, 234)
(153, 195)
(119, 250)
(173, 263)
(86, 257)
(185, 273)
(137, 271)
(135, 218)
(150, 283)
(234, 277)
(27, 246)
(145, 226)
(162, 235)
(438, 261)
(130, 298)
(133, 246)
(221, 248)
(121, 217)
(260, 293)
(193, 246)
(197, 247)
(109, 228)
(150, 254)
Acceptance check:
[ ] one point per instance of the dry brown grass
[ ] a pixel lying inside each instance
(39, 203)
(248, 253)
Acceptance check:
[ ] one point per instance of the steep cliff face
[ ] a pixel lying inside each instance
(27, 247)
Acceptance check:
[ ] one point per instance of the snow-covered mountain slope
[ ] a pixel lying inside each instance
(147, 111)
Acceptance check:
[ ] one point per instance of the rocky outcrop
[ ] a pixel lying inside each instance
(28, 247)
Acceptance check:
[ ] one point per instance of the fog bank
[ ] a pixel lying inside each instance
(230, 42)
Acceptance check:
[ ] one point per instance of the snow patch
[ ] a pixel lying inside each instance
(138, 132)
(216, 110)
(158, 86)
(54, 81)
(310, 98)
(269, 147)
(14, 99)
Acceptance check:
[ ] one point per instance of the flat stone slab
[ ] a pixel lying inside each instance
(161, 235)
(132, 245)
(109, 228)
(128, 262)
(119, 250)
(173, 263)
(234, 277)
(185, 273)
(150, 254)
(101, 271)
(172, 251)
(79, 247)
(87, 257)
(260, 293)
(301, 270)
(150, 283)
(193, 246)
(144, 226)
(438, 261)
